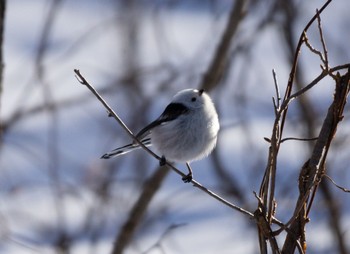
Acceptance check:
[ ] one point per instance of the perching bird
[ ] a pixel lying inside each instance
(186, 131)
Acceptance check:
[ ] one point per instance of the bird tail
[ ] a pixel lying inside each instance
(125, 149)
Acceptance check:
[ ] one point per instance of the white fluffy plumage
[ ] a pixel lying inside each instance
(186, 131)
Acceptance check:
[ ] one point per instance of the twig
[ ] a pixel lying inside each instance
(110, 111)
(325, 52)
(298, 139)
(295, 63)
(312, 49)
(306, 88)
(83, 81)
(277, 101)
(323, 74)
(336, 185)
(300, 248)
(264, 228)
(222, 200)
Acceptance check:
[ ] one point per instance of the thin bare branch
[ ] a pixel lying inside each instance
(312, 49)
(295, 63)
(325, 52)
(83, 81)
(336, 185)
(277, 100)
(298, 139)
(315, 81)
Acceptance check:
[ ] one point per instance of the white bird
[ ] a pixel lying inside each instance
(186, 131)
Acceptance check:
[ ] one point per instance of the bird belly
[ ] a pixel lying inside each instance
(180, 143)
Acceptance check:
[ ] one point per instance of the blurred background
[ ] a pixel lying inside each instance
(57, 196)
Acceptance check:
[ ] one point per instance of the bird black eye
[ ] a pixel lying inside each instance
(193, 99)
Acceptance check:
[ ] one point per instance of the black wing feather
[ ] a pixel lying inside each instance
(171, 112)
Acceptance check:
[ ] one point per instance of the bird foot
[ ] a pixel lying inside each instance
(187, 178)
(162, 161)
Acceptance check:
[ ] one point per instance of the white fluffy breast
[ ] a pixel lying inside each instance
(189, 137)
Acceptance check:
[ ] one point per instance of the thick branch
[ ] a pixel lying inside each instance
(140, 207)
(312, 171)
(218, 64)
(2, 25)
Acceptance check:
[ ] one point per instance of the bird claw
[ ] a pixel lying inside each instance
(162, 161)
(187, 178)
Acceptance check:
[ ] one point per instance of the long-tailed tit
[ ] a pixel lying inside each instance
(186, 131)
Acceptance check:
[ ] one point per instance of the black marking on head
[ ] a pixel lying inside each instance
(201, 91)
